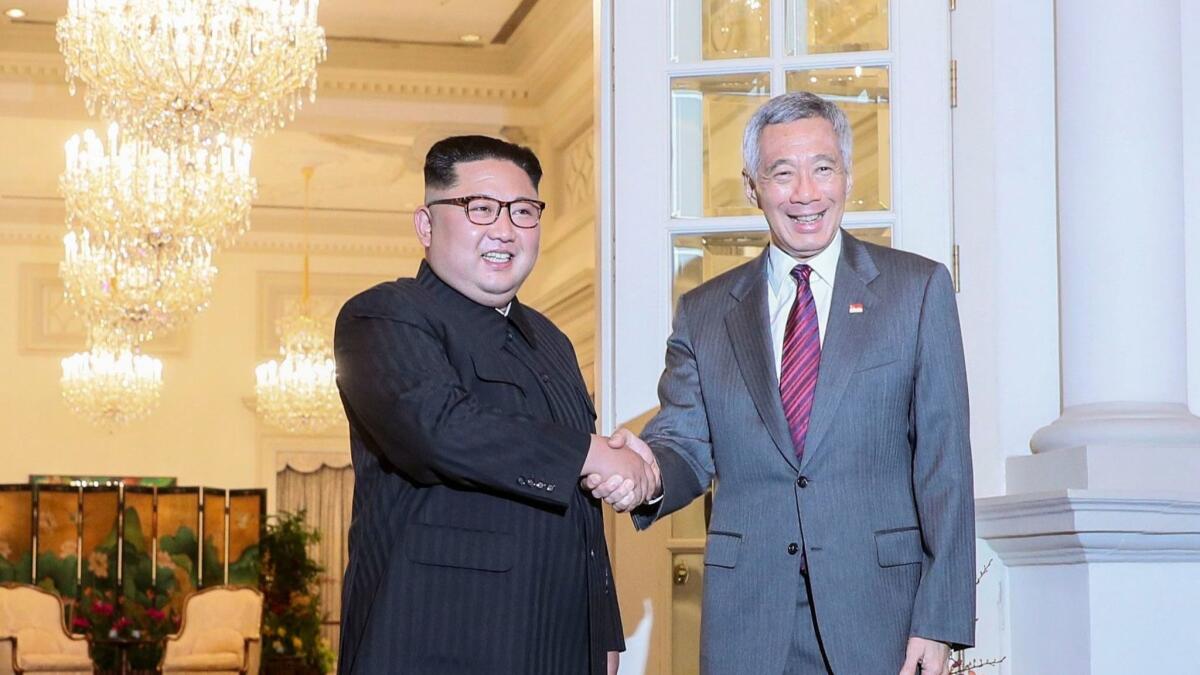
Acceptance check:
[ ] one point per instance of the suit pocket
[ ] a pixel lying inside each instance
(899, 547)
(457, 547)
(876, 359)
(722, 549)
(494, 372)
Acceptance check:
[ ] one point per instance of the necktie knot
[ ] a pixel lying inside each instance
(801, 273)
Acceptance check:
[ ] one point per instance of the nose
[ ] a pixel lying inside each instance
(804, 189)
(503, 229)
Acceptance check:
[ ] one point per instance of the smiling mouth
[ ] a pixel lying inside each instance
(808, 219)
(499, 257)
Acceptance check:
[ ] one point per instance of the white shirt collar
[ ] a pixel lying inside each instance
(823, 264)
(504, 310)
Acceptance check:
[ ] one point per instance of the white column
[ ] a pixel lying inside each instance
(1121, 250)
(1100, 526)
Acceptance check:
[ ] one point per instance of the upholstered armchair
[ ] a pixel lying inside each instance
(219, 634)
(33, 637)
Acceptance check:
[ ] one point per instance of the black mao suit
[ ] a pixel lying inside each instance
(472, 547)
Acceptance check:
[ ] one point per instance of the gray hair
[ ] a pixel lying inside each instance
(799, 105)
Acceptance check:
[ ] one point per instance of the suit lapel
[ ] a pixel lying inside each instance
(845, 338)
(750, 336)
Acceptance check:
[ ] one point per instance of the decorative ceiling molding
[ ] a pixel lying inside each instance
(50, 69)
(399, 84)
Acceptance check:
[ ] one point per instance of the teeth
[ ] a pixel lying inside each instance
(497, 256)
(809, 219)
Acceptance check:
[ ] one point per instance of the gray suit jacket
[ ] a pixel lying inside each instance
(882, 503)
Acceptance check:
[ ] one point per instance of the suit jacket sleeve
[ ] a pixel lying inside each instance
(397, 381)
(679, 433)
(942, 478)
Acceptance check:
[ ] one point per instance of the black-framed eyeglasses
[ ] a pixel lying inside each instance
(484, 210)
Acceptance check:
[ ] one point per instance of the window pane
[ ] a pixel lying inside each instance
(861, 91)
(825, 26)
(720, 29)
(708, 115)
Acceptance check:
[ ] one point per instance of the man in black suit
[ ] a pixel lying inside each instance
(472, 547)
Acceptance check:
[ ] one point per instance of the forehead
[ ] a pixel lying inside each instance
(798, 139)
(500, 174)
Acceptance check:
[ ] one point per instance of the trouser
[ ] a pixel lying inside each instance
(807, 656)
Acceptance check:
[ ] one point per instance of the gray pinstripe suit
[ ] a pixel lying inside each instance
(882, 503)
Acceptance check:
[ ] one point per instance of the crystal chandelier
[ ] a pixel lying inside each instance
(111, 384)
(137, 287)
(298, 393)
(135, 188)
(182, 70)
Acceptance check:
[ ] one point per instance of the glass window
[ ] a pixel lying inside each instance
(829, 26)
(708, 116)
(719, 29)
(862, 92)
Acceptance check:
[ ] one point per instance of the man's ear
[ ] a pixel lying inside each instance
(423, 225)
(849, 184)
(751, 191)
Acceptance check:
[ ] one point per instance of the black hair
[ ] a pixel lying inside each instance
(445, 155)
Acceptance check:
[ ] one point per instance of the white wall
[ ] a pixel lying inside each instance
(203, 433)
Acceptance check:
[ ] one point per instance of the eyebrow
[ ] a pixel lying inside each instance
(816, 158)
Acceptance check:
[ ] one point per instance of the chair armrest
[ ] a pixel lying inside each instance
(162, 660)
(246, 652)
(13, 640)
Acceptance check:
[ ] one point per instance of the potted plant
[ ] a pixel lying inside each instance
(292, 642)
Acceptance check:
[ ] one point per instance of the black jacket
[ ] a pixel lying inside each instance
(472, 547)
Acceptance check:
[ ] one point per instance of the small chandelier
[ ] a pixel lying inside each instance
(134, 187)
(137, 287)
(111, 384)
(298, 393)
(182, 70)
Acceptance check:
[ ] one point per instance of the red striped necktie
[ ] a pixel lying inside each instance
(801, 359)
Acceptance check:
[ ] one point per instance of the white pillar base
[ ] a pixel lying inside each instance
(1148, 447)
(1099, 582)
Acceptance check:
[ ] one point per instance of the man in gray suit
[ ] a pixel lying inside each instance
(821, 389)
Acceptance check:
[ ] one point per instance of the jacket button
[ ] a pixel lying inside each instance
(802, 481)
(793, 548)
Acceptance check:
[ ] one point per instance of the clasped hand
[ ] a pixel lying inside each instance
(621, 470)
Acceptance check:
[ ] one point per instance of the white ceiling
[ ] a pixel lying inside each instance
(417, 21)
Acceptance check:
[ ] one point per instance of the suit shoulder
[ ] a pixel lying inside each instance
(390, 298)
(901, 264)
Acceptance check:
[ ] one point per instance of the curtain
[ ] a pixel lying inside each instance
(325, 493)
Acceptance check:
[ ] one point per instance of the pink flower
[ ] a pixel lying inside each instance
(122, 623)
(102, 608)
(156, 614)
(80, 622)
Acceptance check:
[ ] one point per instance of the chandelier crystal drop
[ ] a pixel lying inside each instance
(111, 384)
(298, 392)
(137, 287)
(138, 189)
(182, 70)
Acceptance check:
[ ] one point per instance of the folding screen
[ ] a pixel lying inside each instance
(247, 516)
(212, 552)
(16, 533)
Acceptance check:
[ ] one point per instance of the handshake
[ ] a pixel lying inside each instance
(621, 470)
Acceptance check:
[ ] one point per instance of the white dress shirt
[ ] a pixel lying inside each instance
(781, 289)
